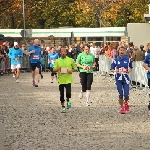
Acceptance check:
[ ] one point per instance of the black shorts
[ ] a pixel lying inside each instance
(35, 65)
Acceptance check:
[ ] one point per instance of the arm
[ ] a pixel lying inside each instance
(130, 66)
(113, 66)
(56, 68)
(145, 62)
(73, 67)
(29, 52)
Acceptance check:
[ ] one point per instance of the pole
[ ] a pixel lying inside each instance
(24, 23)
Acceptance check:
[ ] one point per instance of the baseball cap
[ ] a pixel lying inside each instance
(15, 43)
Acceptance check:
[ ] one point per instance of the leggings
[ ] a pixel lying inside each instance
(86, 80)
(68, 91)
(123, 89)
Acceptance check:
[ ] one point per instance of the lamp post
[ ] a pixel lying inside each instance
(24, 23)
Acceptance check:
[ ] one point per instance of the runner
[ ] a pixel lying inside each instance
(64, 66)
(15, 54)
(122, 65)
(51, 59)
(86, 63)
(34, 52)
(146, 65)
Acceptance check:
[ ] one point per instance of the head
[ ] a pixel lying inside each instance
(93, 44)
(52, 50)
(16, 45)
(36, 42)
(86, 48)
(63, 52)
(122, 51)
(23, 46)
(141, 47)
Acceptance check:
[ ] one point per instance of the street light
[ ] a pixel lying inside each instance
(24, 23)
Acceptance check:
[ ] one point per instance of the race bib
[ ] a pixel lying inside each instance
(64, 70)
(122, 70)
(35, 56)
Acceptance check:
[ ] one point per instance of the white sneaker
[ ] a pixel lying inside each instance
(17, 80)
(14, 76)
(81, 95)
(87, 104)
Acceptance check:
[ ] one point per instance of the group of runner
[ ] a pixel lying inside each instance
(62, 67)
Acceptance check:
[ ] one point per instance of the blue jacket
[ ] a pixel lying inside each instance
(15, 53)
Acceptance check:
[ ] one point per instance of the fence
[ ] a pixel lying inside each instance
(138, 74)
(5, 65)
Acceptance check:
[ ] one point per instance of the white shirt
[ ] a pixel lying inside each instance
(94, 51)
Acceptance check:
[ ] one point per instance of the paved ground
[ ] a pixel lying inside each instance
(33, 120)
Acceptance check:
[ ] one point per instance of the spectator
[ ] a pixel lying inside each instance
(137, 54)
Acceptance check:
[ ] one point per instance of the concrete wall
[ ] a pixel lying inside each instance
(139, 33)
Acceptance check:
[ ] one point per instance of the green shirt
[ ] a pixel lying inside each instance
(65, 63)
(86, 59)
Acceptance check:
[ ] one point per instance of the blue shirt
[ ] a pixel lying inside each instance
(122, 64)
(15, 53)
(52, 57)
(147, 61)
(35, 57)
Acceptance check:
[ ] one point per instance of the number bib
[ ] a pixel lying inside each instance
(64, 70)
(36, 57)
(122, 70)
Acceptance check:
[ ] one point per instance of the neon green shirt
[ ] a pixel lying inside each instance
(67, 63)
(86, 59)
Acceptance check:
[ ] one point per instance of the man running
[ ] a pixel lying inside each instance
(64, 66)
(34, 52)
(15, 54)
(51, 59)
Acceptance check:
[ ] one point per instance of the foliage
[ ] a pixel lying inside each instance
(76, 13)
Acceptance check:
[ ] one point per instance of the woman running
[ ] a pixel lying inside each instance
(86, 63)
(122, 66)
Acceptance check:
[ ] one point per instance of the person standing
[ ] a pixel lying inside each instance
(51, 60)
(122, 66)
(94, 50)
(34, 52)
(65, 67)
(86, 63)
(15, 54)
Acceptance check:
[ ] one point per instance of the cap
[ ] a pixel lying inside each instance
(15, 43)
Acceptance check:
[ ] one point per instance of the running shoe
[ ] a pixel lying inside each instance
(87, 104)
(63, 110)
(122, 110)
(68, 104)
(14, 75)
(17, 80)
(33, 83)
(81, 95)
(126, 106)
(41, 76)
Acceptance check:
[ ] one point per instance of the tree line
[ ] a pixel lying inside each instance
(42, 14)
